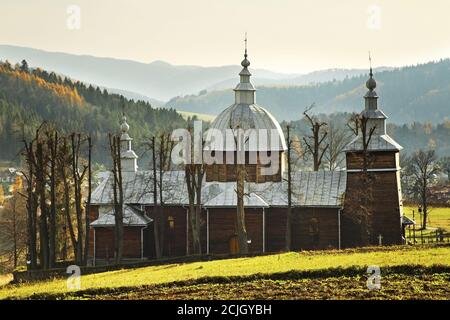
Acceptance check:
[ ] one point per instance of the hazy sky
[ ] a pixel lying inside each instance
(284, 35)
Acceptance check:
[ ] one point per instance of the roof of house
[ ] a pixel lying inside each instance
(131, 218)
(321, 188)
(407, 221)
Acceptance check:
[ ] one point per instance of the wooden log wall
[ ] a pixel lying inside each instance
(227, 172)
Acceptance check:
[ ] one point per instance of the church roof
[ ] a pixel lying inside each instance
(131, 217)
(310, 189)
(377, 143)
(245, 117)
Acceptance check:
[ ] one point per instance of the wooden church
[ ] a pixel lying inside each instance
(320, 199)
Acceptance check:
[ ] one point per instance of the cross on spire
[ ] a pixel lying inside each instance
(370, 63)
(245, 41)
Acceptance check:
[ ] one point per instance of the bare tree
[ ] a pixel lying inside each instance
(78, 175)
(64, 167)
(157, 214)
(52, 146)
(289, 144)
(194, 173)
(445, 167)
(316, 143)
(31, 204)
(88, 202)
(116, 170)
(41, 184)
(423, 166)
(337, 138)
(241, 176)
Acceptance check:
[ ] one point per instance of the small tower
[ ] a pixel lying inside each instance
(245, 91)
(128, 157)
(383, 168)
(244, 114)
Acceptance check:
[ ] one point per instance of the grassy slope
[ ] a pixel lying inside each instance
(242, 267)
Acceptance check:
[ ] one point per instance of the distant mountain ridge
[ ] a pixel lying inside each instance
(409, 94)
(157, 80)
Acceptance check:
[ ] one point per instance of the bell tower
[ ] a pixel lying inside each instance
(373, 197)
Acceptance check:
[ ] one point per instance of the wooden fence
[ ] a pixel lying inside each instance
(419, 236)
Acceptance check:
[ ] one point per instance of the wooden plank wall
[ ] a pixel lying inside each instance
(174, 239)
(302, 236)
(377, 160)
(222, 228)
(105, 243)
(227, 172)
(386, 206)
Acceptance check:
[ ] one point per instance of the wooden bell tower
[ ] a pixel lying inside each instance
(373, 199)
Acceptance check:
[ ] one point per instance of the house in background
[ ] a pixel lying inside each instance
(319, 198)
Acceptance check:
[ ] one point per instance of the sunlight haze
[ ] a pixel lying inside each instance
(289, 36)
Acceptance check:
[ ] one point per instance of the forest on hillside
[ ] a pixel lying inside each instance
(418, 93)
(412, 137)
(30, 96)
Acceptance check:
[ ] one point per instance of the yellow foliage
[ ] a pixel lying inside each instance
(57, 90)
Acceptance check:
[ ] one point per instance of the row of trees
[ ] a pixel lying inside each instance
(56, 170)
(46, 218)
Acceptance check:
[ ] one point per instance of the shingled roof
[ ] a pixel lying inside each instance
(321, 189)
(131, 218)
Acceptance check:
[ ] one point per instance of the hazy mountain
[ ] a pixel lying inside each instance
(157, 80)
(415, 93)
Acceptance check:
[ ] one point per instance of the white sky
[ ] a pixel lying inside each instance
(292, 36)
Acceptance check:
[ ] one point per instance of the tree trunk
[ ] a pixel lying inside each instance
(120, 214)
(77, 188)
(289, 182)
(40, 186)
(67, 210)
(88, 204)
(31, 209)
(241, 229)
(53, 145)
(156, 221)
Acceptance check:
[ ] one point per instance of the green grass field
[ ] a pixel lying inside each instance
(319, 274)
(438, 217)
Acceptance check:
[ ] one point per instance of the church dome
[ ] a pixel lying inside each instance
(245, 117)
